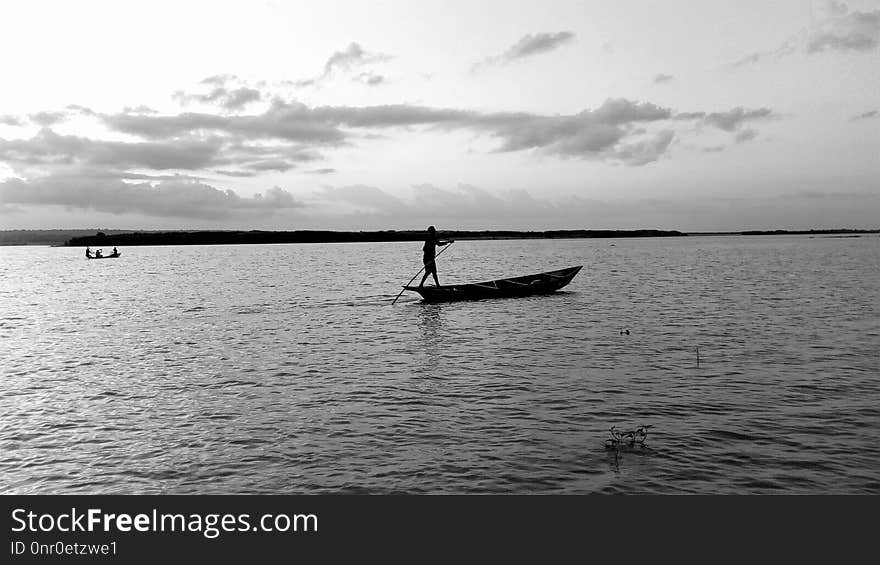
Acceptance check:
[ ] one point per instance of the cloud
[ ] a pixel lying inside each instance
(293, 122)
(289, 134)
(645, 151)
(661, 78)
(354, 56)
(607, 132)
(786, 48)
(370, 79)
(140, 110)
(838, 31)
(286, 121)
(84, 111)
(266, 157)
(714, 149)
(240, 174)
(9, 120)
(528, 46)
(350, 60)
(183, 198)
(239, 98)
(138, 169)
(619, 111)
(536, 44)
(221, 95)
(867, 115)
(845, 31)
(128, 175)
(47, 119)
(733, 119)
(745, 135)
(219, 80)
(49, 148)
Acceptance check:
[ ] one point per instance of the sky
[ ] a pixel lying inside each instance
(477, 114)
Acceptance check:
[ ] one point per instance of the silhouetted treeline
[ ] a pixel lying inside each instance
(319, 236)
(120, 237)
(45, 237)
(804, 232)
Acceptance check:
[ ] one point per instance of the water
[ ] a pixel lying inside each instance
(284, 369)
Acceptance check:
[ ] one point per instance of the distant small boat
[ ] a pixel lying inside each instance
(104, 256)
(541, 283)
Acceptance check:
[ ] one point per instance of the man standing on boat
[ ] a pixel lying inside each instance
(430, 253)
(88, 253)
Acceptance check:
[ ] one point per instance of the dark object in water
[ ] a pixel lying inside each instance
(633, 439)
(105, 256)
(540, 283)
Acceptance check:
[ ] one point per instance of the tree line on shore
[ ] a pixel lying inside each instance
(327, 236)
(92, 237)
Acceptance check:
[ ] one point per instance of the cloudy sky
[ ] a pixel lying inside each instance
(475, 114)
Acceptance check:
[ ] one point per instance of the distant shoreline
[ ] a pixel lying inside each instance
(94, 238)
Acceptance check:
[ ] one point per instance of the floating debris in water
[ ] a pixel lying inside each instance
(630, 440)
(624, 332)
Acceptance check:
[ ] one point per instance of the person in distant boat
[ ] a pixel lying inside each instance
(99, 254)
(115, 252)
(88, 253)
(430, 253)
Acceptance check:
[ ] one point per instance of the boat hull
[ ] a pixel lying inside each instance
(106, 257)
(541, 283)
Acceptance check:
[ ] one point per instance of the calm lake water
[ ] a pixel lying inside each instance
(285, 369)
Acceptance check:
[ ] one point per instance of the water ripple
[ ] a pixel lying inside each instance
(220, 369)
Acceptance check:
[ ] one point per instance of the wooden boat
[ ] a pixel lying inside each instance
(105, 256)
(540, 283)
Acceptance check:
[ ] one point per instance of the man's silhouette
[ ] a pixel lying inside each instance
(430, 253)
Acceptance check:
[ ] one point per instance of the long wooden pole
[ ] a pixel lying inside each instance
(420, 271)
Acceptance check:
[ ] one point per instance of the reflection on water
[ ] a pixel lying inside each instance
(285, 369)
(430, 324)
(430, 321)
